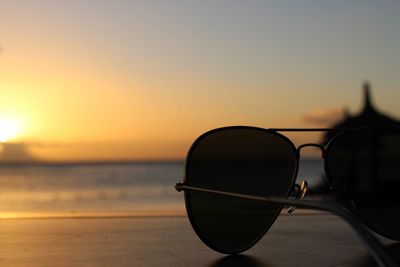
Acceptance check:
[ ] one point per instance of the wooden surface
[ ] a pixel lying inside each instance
(299, 240)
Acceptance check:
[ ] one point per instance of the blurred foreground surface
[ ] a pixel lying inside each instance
(313, 239)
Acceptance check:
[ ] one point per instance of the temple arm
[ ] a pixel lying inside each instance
(375, 247)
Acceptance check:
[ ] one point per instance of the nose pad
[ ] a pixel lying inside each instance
(299, 192)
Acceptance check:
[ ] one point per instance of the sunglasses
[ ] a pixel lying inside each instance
(238, 179)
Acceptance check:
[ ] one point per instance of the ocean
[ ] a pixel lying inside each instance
(113, 189)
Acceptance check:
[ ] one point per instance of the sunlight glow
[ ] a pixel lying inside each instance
(9, 128)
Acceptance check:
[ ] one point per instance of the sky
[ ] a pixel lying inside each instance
(133, 80)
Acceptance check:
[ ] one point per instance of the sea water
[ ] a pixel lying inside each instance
(141, 188)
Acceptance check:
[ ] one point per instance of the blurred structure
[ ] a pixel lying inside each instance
(369, 116)
(14, 153)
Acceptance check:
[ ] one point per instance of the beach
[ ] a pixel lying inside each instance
(305, 239)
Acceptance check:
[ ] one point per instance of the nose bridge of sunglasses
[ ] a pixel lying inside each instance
(320, 147)
(299, 191)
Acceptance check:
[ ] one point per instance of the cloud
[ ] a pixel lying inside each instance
(323, 116)
(15, 152)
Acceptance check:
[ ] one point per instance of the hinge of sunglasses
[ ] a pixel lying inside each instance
(178, 187)
(299, 192)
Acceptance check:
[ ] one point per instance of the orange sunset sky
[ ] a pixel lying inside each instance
(126, 80)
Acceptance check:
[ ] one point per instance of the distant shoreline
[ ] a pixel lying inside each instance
(111, 162)
(94, 162)
(120, 215)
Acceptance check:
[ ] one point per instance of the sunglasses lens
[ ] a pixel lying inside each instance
(364, 167)
(241, 160)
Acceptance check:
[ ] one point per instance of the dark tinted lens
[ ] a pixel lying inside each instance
(364, 166)
(241, 160)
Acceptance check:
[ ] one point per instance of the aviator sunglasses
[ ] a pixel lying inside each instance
(238, 179)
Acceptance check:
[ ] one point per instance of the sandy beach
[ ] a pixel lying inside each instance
(297, 240)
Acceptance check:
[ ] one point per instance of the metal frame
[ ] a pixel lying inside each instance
(374, 246)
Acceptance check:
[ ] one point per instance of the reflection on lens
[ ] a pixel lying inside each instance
(241, 160)
(364, 166)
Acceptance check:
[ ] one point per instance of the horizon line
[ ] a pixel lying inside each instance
(112, 161)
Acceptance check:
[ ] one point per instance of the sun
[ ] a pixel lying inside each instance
(9, 129)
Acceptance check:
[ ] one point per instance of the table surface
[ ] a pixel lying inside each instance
(315, 239)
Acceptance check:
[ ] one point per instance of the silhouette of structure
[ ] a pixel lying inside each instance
(11, 153)
(369, 116)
